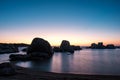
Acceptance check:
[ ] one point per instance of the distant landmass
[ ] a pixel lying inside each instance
(101, 46)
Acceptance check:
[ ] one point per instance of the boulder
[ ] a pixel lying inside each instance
(6, 69)
(65, 47)
(39, 48)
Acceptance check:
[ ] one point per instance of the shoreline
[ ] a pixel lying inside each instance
(30, 74)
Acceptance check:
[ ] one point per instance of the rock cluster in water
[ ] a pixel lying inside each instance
(66, 47)
(8, 48)
(101, 46)
(38, 50)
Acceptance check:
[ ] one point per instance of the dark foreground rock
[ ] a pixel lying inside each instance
(6, 69)
(8, 48)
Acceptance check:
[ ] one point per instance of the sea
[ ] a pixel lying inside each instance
(85, 61)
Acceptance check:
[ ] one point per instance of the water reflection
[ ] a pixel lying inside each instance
(88, 61)
(66, 62)
(38, 65)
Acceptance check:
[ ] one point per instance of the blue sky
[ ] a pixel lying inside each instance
(84, 20)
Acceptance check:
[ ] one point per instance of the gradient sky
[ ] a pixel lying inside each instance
(79, 21)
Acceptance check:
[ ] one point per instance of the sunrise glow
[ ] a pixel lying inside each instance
(77, 21)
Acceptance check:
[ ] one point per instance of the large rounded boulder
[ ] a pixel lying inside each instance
(39, 49)
(65, 47)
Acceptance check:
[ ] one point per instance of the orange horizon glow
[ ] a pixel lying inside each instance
(55, 37)
(57, 42)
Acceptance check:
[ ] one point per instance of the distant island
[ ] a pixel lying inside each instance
(101, 46)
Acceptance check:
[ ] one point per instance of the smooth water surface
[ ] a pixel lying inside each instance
(86, 61)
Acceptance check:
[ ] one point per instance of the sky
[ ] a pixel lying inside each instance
(81, 22)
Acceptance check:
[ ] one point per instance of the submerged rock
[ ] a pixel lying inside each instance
(6, 69)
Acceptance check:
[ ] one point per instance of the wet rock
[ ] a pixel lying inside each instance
(6, 69)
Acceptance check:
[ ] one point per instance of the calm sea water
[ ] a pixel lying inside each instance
(86, 61)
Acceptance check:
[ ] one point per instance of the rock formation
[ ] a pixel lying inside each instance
(38, 50)
(101, 46)
(8, 48)
(40, 47)
(65, 46)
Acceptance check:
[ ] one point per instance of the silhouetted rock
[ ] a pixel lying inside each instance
(21, 45)
(6, 69)
(65, 47)
(76, 47)
(110, 46)
(56, 49)
(101, 46)
(94, 46)
(8, 48)
(97, 46)
(39, 48)
(14, 57)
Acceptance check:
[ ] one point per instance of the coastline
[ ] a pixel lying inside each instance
(30, 74)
